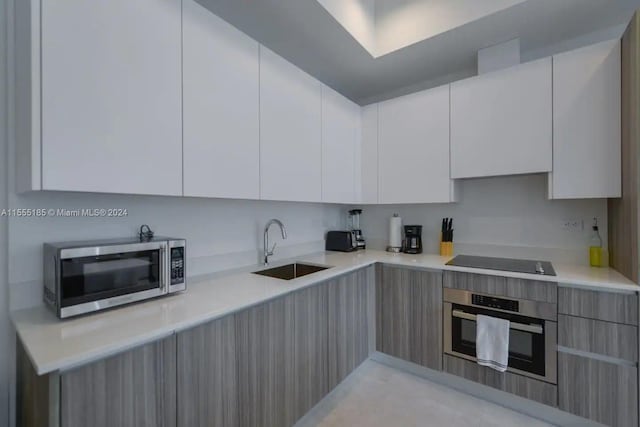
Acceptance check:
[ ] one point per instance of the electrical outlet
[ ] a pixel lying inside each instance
(573, 224)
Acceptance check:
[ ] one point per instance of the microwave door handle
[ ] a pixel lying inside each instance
(58, 281)
(164, 284)
(534, 329)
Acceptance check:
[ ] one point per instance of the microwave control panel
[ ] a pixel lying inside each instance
(493, 302)
(177, 265)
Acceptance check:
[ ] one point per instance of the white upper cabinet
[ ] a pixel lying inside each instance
(221, 72)
(290, 131)
(111, 96)
(413, 148)
(340, 134)
(367, 169)
(162, 97)
(586, 123)
(501, 122)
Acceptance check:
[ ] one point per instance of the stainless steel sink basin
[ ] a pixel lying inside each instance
(291, 271)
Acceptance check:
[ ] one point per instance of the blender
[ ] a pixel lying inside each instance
(354, 220)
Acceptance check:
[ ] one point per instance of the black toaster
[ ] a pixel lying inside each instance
(342, 241)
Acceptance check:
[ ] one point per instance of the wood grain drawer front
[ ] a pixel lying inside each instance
(135, 388)
(597, 390)
(519, 385)
(533, 290)
(607, 306)
(207, 375)
(596, 336)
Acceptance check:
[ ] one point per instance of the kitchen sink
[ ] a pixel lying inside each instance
(291, 271)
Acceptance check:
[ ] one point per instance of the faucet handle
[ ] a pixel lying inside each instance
(273, 248)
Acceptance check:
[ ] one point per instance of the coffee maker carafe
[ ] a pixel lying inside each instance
(412, 239)
(354, 219)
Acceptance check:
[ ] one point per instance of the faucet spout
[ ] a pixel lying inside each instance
(269, 252)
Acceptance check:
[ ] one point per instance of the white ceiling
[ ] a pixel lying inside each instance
(303, 32)
(358, 18)
(384, 26)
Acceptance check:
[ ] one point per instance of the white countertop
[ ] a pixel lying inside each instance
(58, 345)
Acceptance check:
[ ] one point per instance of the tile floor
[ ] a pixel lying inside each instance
(377, 395)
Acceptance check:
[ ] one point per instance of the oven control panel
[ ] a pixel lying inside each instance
(493, 302)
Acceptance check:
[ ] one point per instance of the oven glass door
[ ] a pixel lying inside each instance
(93, 278)
(526, 337)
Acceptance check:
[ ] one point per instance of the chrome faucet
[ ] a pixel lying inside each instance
(267, 252)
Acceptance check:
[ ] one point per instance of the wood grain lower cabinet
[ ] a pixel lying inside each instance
(136, 388)
(409, 310)
(598, 355)
(264, 366)
(598, 390)
(265, 344)
(207, 375)
(349, 323)
(292, 351)
(34, 394)
(311, 342)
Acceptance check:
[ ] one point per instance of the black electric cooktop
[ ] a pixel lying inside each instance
(504, 264)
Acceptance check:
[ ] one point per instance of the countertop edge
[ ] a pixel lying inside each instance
(96, 353)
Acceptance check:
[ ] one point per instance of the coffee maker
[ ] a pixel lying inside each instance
(412, 239)
(354, 219)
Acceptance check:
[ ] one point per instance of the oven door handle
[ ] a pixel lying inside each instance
(534, 329)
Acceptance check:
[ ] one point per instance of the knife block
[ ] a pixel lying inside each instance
(446, 248)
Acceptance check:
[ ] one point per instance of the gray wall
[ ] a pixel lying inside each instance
(4, 290)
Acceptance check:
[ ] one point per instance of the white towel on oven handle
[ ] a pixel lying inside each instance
(492, 342)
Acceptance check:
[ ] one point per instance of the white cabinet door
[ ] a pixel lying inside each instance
(586, 123)
(340, 132)
(221, 111)
(111, 96)
(369, 155)
(290, 131)
(501, 122)
(413, 148)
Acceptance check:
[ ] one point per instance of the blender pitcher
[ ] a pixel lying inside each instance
(354, 224)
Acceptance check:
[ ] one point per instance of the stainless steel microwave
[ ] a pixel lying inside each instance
(83, 277)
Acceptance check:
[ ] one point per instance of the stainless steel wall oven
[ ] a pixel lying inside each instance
(532, 333)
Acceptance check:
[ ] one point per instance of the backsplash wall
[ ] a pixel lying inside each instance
(505, 216)
(502, 216)
(221, 234)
